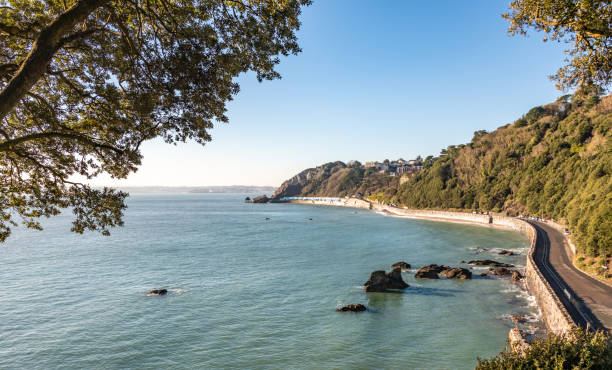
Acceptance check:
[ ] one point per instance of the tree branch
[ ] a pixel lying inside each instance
(7, 145)
(42, 52)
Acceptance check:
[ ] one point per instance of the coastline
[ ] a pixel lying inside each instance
(554, 314)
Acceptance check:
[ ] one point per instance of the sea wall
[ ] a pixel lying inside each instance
(555, 316)
(336, 202)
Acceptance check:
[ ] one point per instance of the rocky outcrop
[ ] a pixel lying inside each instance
(457, 273)
(403, 265)
(489, 263)
(247, 200)
(381, 281)
(260, 199)
(432, 271)
(358, 307)
(429, 272)
(159, 291)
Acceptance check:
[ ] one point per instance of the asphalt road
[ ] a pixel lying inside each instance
(587, 300)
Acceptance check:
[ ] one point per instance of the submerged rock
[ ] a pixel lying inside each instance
(381, 281)
(358, 307)
(403, 265)
(489, 263)
(457, 273)
(159, 291)
(506, 253)
(500, 271)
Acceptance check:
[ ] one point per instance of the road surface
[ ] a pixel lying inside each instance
(588, 300)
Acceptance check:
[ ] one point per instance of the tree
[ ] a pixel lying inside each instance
(577, 349)
(586, 24)
(84, 83)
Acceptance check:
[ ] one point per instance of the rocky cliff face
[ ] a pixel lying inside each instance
(303, 182)
(337, 179)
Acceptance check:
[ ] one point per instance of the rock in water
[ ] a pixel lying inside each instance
(457, 273)
(507, 253)
(403, 265)
(518, 319)
(261, 199)
(489, 263)
(516, 276)
(430, 272)
(381, 281)
(500, 271)
(358, 307)
(247, 200)
(159, 291)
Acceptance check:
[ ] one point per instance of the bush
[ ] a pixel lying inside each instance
(578, 349)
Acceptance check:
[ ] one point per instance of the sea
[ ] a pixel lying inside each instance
(252, 286)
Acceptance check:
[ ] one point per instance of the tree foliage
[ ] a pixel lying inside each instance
(585, 24)
(84, 83)
(557, 163)
(577, 349)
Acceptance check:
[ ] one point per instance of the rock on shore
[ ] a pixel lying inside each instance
(381, 281)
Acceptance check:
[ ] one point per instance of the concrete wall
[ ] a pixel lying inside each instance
(342, 202)
(555, 316)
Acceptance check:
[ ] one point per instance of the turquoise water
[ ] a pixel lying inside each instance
(246, 292)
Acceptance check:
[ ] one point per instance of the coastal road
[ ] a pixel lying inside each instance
(588, 300)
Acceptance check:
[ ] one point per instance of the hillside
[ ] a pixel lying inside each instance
(337, 179)
(555, 161)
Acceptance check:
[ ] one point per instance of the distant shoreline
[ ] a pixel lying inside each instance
(229, 189)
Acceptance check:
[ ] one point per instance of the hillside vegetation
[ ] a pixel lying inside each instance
(555, 161)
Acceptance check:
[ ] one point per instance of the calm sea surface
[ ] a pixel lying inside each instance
(246, 292)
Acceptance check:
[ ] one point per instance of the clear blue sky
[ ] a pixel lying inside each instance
(375, 80)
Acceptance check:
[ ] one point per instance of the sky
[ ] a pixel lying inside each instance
(375, 80)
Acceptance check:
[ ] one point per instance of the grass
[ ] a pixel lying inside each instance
(597, 267)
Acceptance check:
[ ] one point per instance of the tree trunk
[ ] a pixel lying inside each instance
(43, 49)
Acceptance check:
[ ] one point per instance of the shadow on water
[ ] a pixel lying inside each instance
(378, 301)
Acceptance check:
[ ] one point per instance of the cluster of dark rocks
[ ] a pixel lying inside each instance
(497, 269)
(159, 291)
(432, 271)
(383, 281)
